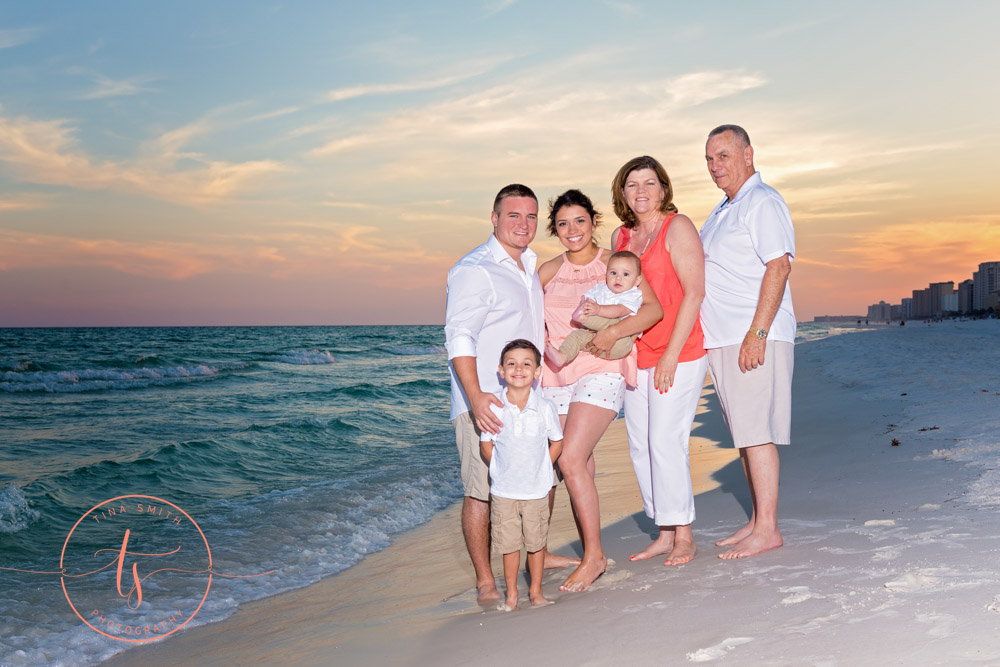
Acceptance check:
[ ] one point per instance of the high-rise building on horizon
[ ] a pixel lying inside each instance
(880, 312)
(985, 281)
(938, 292)
(921, 303)
(979, 293)
(965, 296)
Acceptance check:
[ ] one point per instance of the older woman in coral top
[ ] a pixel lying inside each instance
(672, 362)
(589, 390)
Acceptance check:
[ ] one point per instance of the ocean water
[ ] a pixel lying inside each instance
(296, 450)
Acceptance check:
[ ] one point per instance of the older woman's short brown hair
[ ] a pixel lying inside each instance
(622, 210)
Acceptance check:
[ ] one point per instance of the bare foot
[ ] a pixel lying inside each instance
(661, 545)
(510, 602)
(487, 594)
(555, 357)
(503, 606)
(754, 544)
(584, 575)
(736, 537)
(557, 562)
(682, 552)
(537, 599)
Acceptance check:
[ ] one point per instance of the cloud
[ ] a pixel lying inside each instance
(327, 252)
(12, 37)
(789, 28)
(626, 8)
(46, 152)
(690, 90)
(473, 69)
(171, 142)
(349, 204)
(275, 114)
(21, 203)
(107, 87)
(157, 259)
(493, 7)
(544, 110)
(949, 247)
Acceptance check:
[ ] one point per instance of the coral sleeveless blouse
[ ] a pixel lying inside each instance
(658, 270)
(562, 296)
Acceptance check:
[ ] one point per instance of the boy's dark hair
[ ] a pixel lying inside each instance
(625, 254)
(521, 344)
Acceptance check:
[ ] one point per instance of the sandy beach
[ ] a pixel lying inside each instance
(890, 553)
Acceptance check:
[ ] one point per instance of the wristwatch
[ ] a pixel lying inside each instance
(759, 333)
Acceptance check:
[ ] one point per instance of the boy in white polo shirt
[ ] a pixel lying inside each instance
(520, 458)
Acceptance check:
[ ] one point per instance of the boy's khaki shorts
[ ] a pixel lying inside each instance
(517, 523)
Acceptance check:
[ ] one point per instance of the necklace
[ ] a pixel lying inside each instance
(649, 239)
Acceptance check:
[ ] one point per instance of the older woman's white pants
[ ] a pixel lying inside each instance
(659, 428)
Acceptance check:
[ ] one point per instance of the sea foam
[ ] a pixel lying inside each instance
(15, 514)
(92, 379)
(302, 357)
(417, 351)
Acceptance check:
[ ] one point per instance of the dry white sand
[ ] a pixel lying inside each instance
(892, 553)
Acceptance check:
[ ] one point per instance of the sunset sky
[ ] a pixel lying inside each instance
(184, 163)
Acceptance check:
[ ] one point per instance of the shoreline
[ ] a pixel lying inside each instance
(435, 584)
(889, 554)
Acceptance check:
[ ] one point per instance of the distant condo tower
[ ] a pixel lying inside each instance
(976, 295)
(985, 283)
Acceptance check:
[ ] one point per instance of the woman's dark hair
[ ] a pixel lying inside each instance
(571, 198)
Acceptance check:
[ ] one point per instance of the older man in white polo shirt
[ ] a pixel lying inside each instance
(749, 325)
(494, 296)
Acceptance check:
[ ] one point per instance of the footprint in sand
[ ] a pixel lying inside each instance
(719, 650)
(942, 625)
(636, 608)
(912, 581)
(885, 553)
(798, 594)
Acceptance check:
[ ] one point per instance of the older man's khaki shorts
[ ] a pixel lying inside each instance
(475, 471)
(757, 404)
(517, 523)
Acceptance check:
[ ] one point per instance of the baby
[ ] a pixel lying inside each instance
(604, 305)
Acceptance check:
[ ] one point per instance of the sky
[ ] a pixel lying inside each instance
(268, 163)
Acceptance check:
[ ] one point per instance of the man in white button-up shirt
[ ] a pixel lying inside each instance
(494, 296)
(749, 325)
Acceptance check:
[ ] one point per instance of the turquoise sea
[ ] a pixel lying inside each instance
(297, 450)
